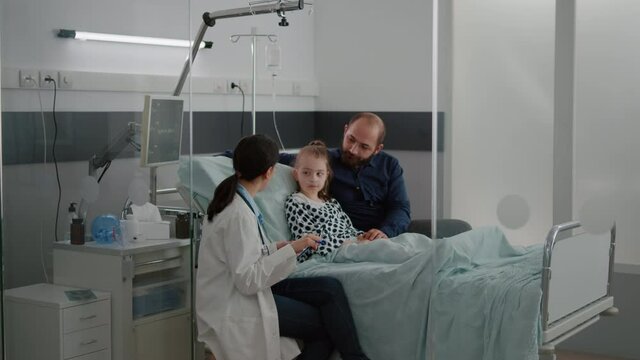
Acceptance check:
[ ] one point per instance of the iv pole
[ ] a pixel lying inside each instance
(209, 20)
(254, 43)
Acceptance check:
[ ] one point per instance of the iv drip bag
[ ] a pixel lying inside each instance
(273, 57)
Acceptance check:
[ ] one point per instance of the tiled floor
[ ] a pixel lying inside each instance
(570, 355)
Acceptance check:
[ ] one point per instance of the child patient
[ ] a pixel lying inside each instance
(311, 210)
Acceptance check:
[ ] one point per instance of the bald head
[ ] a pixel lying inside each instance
(370, 120)
(362, 139)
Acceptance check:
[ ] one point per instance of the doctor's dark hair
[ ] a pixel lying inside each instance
(252, 157)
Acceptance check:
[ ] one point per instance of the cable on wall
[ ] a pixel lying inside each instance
(233, 86)
(53, 152)
(273, 100)
(42, 188)
(104, 170)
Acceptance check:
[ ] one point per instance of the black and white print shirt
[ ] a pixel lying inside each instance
(325, 219)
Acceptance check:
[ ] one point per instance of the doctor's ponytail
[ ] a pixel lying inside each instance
(252, 157)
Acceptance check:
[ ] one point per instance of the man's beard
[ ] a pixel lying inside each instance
(353, 161)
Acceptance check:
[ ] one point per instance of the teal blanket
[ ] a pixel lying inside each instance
(476, 296)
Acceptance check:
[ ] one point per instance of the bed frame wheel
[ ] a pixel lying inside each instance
(612, 311)
(547, 352)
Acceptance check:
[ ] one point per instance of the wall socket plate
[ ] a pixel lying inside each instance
(244, 84)
(220, 86)
(44, 74)
(28, 78)
(65, 80)
(296, 89)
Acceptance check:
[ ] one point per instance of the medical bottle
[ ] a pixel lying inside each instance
(77, 231)
(72, 214)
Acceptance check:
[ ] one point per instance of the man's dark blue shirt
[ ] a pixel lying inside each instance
(373, 195)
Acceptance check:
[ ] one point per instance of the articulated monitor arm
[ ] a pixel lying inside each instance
(112, 150)
(209, 20)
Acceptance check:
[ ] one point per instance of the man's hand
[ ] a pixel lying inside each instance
(373, 234)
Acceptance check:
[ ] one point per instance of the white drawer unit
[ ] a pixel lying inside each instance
(87, 341)
(82, 317)
(46, 324)
(149, 283)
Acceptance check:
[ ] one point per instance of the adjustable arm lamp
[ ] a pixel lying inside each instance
(209, 20)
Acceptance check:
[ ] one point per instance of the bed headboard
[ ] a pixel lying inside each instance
(209, 171)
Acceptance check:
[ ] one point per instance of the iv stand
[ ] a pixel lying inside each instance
(254, 43)
(209, 20)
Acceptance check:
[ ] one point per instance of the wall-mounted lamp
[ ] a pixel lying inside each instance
(83, 35)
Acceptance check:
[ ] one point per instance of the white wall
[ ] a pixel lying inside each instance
(502, 133)
(373, 55)
(606, 115)
(376, 56)
(30, 43)
(30, 197)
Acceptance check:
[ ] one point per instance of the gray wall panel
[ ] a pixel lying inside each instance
(83, 134)
(405, 130)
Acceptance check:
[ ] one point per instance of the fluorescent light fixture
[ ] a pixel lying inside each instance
(84, 35)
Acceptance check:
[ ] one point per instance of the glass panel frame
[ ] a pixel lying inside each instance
(98, 93)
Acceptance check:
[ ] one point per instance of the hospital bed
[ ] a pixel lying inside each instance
(567, 294)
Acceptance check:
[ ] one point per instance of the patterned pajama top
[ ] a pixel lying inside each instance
(325, 219)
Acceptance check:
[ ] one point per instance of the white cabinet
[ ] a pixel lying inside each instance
(44, 324)
(149, 282)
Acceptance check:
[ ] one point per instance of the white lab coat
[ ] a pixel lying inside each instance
(235, 310)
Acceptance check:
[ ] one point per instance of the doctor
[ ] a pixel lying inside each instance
(244, 301)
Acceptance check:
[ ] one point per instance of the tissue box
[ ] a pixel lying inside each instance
(154, 230)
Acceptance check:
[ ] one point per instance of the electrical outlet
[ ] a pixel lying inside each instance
(220, 86)
(296, 89)
(48, 74)
(65, 80)
(28, 78)
(246, 86)
(235, 89)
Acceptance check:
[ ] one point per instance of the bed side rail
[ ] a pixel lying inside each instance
(597, 291)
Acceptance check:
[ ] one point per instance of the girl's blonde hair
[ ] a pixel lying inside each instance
(318, 149)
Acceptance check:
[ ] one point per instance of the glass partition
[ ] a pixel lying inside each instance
(542, 132)
(91, 268)
(501, 124)
(606, 169)
(496, 86)
(471, 99)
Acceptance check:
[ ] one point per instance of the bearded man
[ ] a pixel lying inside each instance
(367, 182)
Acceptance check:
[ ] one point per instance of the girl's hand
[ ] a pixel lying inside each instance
(307, 241)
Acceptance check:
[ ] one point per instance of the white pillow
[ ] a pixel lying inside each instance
(209, 171)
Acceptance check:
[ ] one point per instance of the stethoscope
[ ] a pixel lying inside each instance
(259, 221)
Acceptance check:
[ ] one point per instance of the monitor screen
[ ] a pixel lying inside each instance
(161, 130)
